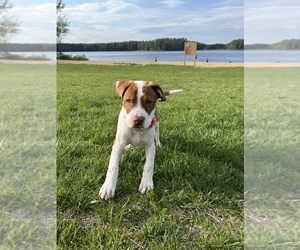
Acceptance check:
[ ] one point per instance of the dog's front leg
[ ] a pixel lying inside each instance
(147, 180)
(109, 187)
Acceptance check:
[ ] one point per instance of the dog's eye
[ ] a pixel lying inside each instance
(128, 101)
(149, 103)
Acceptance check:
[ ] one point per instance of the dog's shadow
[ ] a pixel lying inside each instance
(180, 164)
(200, 165)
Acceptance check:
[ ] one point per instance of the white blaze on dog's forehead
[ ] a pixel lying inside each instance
(140, 93)
(140, 85)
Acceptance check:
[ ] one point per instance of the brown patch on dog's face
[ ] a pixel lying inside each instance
(122, 86)
(149, 98)
(158, 90)
(130, 98)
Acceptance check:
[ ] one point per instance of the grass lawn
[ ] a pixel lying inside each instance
(197, 201)
(27, 153)
(272, 143)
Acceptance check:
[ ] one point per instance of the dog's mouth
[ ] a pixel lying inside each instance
(137, 126)
(139, 123)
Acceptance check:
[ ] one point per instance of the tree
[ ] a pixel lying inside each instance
(236, 44)
(8, 26)
(62, 26)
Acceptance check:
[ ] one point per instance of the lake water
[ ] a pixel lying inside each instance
(282, 56)
(164, 56)
(234, 56)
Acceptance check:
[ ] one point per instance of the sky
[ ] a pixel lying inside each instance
(214, 21)
(270, 21)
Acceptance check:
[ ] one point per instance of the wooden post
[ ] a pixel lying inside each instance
(185, 45)
(190, 48)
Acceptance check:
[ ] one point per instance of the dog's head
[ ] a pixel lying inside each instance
(139, 102)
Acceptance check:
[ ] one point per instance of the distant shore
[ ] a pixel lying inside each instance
(198, 64)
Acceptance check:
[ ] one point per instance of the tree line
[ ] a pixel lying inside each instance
(19, 47)
(292, 44)
(162, 44)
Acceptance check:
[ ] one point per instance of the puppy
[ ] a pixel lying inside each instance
(138, 125)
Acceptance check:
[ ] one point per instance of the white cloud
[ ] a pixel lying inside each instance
(272, 22)
(37, 23)
(109, 11)
(119, 20)
(172, 3)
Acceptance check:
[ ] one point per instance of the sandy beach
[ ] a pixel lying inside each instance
(5, 61)
(198, 64)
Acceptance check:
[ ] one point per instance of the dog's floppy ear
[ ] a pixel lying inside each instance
(158, 90)
(121, 87)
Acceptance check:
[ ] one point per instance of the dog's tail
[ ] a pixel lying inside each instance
(173, 92)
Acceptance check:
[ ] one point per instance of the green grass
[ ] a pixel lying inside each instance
(272, 158)
(197, 201)
(27, 153)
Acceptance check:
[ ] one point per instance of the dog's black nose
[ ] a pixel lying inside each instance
(139, 120)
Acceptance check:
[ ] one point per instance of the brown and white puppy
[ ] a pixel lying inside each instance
(138, 125)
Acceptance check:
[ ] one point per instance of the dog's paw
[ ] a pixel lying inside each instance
(129, 146)
(158, 144)
(107, 191)
(146, 184)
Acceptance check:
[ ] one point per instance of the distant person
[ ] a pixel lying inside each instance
(206, 59)
(155, 59)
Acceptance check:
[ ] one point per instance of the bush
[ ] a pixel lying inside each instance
(10, 56)
(63, 56)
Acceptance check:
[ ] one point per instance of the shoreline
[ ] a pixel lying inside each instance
(197, 64)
